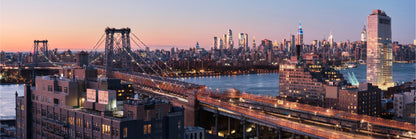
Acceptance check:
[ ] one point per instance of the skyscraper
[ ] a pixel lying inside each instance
(331, 40)
(246, 41)
(254, 43)
(292, 43)
(224, 40)
(215, 42)
(364, 34)
(299, 40)
(379, 49)
(221, 44)
(241, 40)
(230, 39)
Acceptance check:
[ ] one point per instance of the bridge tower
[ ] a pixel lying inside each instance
(109, 49)
(43, 49)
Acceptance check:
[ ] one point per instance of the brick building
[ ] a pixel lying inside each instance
(58, 107)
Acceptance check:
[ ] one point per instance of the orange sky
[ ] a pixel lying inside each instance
(77, 24)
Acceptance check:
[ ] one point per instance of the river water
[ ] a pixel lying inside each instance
(268, 84)
(262, 84)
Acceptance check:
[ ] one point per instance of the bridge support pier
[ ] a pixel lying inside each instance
(279, 132)
(229, 126)
(257, 131)
(216, 122)
(243, 122)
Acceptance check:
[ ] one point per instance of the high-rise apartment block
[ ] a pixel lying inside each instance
(379, 50)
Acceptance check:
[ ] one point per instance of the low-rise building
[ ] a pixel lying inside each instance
(400, 101)
(366, 99)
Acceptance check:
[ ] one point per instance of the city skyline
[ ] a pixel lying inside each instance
(78, 26)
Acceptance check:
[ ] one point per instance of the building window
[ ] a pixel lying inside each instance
(79, 122)
(71, 120)
(125, 132)
(66, 89)
(86, 124)
(56, 101)
(106, 129)
(50, 88)
(147, 129)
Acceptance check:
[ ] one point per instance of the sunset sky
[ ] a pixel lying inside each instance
(78, 24)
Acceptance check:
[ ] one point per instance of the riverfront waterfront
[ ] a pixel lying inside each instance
(268, 83)
(7, 99)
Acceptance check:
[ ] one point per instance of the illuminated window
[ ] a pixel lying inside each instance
(71, 120)
(125, 132)
(106, 129)
(147, 129)
(79, 122)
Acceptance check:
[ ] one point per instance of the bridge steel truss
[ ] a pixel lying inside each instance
(44, 50)
(109, 49)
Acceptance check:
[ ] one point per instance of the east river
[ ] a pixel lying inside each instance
(262, 84)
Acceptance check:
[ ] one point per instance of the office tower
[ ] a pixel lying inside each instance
(275, 45)
(197, 45)
(364, 34)
(254, 43)
(331, 40)
(215, 43)
(299, 40)
(221, 44)
(267, 44)
(315, 42)
(284, 43)
(224, 40)
(241, 40)
(246, 41)
(230, 39)
(379, 49)
(292, 44)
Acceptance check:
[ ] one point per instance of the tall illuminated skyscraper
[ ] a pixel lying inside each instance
(224, 39)
(299, 40)
(379, 49)
(364, 34)
(254, 43)
(215, 43)
(331, 40)
(246, 41)
(292, 44)
(221, 44)
(241, 40)
(230, 39)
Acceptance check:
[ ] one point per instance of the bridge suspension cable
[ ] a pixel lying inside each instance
(170, 68)
(144, 71)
